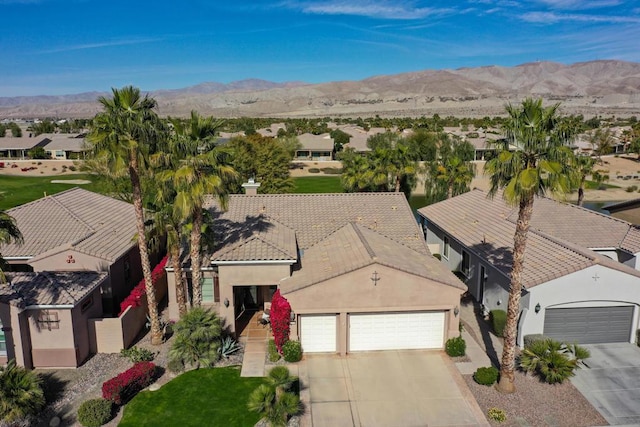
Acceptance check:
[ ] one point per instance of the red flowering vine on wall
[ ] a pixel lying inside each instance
(133, 300)
(280, 317)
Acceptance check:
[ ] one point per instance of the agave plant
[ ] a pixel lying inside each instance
(228, 346)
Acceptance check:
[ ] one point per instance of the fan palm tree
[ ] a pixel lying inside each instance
(21, 392)
(196, 338)
(9, 232)
(205, 170)
(539, 165)
(455, 173)
(122, 136)
(583, 167)
(601, 141)
(355, 171)
(273, 400)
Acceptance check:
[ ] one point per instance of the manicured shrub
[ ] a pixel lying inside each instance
(498, 321)
(631, 188)
(455, 347)
(292, 351)
(280, 317)
(486, 376)
(314, 170)
(72, 168)
(496, 414)
(175, 366)
(274, 356)
(332, 171)
(123, 387)
(528, 339)
(137, 354)
(95, 412)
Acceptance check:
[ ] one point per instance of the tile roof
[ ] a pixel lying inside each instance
(75, 219)
(49, 288)
(486, 227)
(355, 246)
(22, 143)
(275, 226)
(316, 142)
(66, 142)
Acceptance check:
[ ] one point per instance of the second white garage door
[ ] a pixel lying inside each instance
(318, 333)
(396, 331)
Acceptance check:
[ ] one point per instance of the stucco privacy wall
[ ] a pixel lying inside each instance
(591, 287)
(354, 292)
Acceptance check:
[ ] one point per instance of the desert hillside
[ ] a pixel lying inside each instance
(589, 88)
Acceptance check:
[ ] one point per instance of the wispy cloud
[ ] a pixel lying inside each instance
(580, 4)
(125, 42)
(553, 18)
(381, 9)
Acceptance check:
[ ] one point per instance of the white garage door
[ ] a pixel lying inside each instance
(318, 333)
(396, 331)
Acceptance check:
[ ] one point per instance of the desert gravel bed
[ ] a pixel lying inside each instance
(537, 404)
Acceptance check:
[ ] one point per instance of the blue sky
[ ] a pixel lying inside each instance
(69, 46)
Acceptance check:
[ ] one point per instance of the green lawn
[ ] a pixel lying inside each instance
(592, 185)
(205, 397)
(317, 184)
(17, 190)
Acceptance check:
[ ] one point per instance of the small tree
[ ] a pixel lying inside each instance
(21, 392)
(197, 338)
(280, 317)
(38, 153)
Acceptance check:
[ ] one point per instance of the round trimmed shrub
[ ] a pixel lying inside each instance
(94, 412)
(455, 347)
(314, 170)
(292, 351)
(486, 376)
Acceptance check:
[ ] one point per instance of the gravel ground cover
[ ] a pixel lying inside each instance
(536, 403)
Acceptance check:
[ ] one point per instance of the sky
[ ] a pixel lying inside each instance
(54, 47)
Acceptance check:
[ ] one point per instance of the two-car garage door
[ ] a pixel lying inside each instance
(590, 325)
(380, 331)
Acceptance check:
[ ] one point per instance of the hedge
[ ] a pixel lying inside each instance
(499, 321)
(124, 386)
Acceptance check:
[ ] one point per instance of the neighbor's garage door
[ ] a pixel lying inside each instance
(396, 331)
(318, 333)
(590, 325)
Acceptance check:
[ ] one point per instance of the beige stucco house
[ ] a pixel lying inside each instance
(78, 230)
(44, 317)
(354, 267)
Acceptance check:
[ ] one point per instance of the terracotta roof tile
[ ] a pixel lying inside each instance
(49, 288)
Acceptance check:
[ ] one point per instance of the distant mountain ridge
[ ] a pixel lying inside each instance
(595, 87)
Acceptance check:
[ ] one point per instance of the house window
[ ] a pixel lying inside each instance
(210, 290)
(59, 153)
(3, 342)
(86, 304)
(466, 269)
(445, 247)
(48, 320)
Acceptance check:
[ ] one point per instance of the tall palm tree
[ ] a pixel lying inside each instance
(583, 167)
(9, 232)
(205, 170)
(539, 165)
(122, 136)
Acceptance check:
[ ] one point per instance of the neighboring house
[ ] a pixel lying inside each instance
(483, 140)
(78, 230)
(18, 148)
(315, 147)
(580, 279)
(44, 317)
(354, 268)
(627, 211)
(65, 146)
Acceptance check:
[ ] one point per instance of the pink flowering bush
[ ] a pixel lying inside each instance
(280, 316)
(121, 388)
(134, 298)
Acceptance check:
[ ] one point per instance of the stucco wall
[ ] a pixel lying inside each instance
(53, 347)
(81, 323)
(593, 286)
(355, 293)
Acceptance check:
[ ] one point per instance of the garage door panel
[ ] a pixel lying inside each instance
(395, 331)
(589, 325)
(318, 333)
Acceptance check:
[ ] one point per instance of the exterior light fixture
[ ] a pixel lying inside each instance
(456, 311)
(537, 308)
(226, 302)
(292, 316)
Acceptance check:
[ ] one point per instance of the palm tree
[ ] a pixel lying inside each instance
(355, 170)
(583, 167)
(21, 392)
(601, 141)
(538, 165)
(205, 170)
(9, 232)
(196, 338)
(121, 137)
(273, 400)
(455, 173)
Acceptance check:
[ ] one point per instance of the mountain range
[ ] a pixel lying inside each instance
(597, 87)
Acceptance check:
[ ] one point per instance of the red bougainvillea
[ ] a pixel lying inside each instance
(280, 316)
(124, 386)
(133, 300)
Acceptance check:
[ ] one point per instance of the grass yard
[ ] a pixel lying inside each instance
(317, 184)
(204, 397)
(18, 190)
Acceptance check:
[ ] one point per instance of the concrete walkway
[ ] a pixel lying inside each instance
(483, 348)
(255, 338)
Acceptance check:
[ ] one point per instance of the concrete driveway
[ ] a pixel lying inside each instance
(612, 382)
(387, 388)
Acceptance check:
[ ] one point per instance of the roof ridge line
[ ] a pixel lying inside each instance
(69, 211)
(364, 240)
